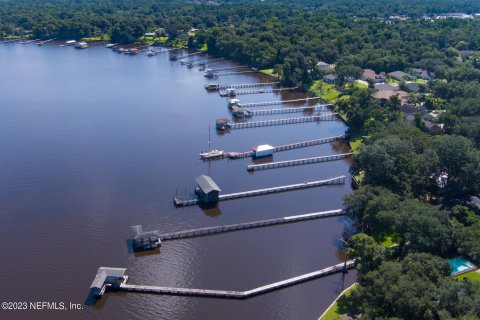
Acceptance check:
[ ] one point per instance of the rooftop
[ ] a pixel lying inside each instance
(207, 184)
(104, 272)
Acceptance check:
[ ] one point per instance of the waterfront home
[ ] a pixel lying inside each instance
(207, 190)
(399, 75)
(387, 94)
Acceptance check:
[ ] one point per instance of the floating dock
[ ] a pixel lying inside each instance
(234, 294)
(298, 162)
(272, 103)
(224, 124)
(286, 147)
(248, 225)
(182, 202)
(224, 93)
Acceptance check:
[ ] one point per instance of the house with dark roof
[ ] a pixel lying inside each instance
(207, 190)
(400, 75)
(421, 73)
(413, 86)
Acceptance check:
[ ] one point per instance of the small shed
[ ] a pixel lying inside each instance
(207, 190)
(263, 150)
(145, 240)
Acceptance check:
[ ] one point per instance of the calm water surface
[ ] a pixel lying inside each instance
(92, 142)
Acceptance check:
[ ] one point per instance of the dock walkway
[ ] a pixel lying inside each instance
(248, 225)
(182, 202)
(276, 122)
(233, 73)
(298, 162)
(247, 85)
(224, 93)
(244, 112)
(286, 147)
(235, 294)
(271, 103)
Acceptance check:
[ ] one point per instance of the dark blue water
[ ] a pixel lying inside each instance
(92, 142)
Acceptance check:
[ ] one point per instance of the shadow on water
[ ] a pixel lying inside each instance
(210, 209)
(140, 254)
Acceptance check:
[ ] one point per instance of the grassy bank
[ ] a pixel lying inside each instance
(333, 312)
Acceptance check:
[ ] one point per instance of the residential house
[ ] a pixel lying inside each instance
(369, 74)
(387, 94)
(331, 78)
(421, 73)
(413, 86)
(399, 75)
(325, 66)
(386, 87)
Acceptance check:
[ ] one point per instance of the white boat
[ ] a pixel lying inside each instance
(70, 42)
(212, 154)
(151, 53)
(81, 45)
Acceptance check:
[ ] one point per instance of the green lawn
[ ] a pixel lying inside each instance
(355, 144)
(269, 72)
(326, 91)
(392, 81)
(333, 313)
(473, 275)
(203, 48)
(388, 242)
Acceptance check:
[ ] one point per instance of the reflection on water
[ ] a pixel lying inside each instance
(94, 142)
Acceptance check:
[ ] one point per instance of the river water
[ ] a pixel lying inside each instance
(93, 142)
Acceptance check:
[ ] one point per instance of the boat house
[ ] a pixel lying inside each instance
(145, 240)
(207, 190)
(107, 276)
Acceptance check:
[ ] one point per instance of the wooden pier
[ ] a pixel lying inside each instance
(248, 85)
(182, 202)
(224, 124)
(228, 68)
(298, 162)
(233, 73)
(248, 225)
(286, 147)
(244, 112)
(224, 93)
(234, 294)
(271, 103)
(188, 55)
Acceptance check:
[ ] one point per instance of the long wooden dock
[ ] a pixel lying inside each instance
(188, 55)
(271, 103)
(224, 125)
(234, 294)
(286, 147)
(228, 68)
(244, 112)
(185, 234)
(247, 85)
(224, 93)
(298, 162)
(182, 202)
(233, 73)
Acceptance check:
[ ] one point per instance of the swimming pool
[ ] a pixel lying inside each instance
(459, 265)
